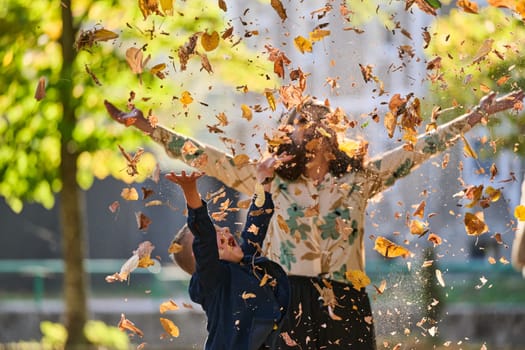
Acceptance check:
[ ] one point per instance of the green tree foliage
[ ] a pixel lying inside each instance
(479, 52)
(58, 141)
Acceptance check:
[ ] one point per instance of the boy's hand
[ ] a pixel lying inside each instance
(188, 184)
(184, 179)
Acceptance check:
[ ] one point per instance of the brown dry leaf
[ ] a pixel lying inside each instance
(366, 72)
(205, 63)
(126, 325)
(390, 123)
(40, 92)
(148, 7)
(420, 210)
(423, 6)
(389, 249)
(168, 306)
(510, 4)
(187, 50)
(143, 221)
(467, 149)
(134, 57)
(113, 207)
(87, 38)
(473, 193)
(222, 5)
(146, 192)
(468, 6)
(279, 8)
(132, 161)
(170, 327)
(129, 194)
(475, 224)
(282, 224)
(264, 280)
(483, 51)
(435, 239)
(157, 70)
(418, 228)
(210, 42)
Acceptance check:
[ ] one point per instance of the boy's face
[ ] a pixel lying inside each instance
(229, 250)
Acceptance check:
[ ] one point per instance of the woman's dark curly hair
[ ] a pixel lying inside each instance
(311, 115)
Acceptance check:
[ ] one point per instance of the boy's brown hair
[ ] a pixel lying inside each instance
(181, 248)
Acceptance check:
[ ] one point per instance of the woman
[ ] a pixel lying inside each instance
(317, 232)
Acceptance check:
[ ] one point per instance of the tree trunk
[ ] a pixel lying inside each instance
(71, 215)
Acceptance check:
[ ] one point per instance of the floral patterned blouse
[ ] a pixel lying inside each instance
(317, 229)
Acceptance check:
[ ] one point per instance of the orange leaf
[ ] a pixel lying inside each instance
(186, 98)
(519, 212)
(169, 327)
(167, 306)
(126, 324)
(246, 112)
(270, 98)
(210, 42)
(468, 6)
(104, 35)
(389, 249)
(318, 34)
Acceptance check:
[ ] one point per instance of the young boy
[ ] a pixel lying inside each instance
(244, 295)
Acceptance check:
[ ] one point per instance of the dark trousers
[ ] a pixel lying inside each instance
(308, 324)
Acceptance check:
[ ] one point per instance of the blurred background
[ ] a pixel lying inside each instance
(475, 300)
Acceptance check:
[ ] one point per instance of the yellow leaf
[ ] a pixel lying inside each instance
(358, 278)
(259, 192)
(270, 98)
(174, 248)
(318, 34)
(186, 98)
(467, 149)
(519, 212)
(282, 224)
(474, 224)
(167, 306)
(493, 193)
(246, 112)
(264, 280)
(129, 194)
(169, 327)
(303, 44)
(418, 228)
(167, 6)
(241, 159)
(389, 249)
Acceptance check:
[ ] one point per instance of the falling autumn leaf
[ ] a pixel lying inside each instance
(174, 248)
(129, 194)
(126, 325)
(132, 161)
(468, 6)
(519, 212)
(475, 224)
(134, 57)
(186, 98)
(483, 51)
(168, 306)
(440, 279)
(170, 327)
(246, 112)
(143, 221)
(113, 207)
(167, 6)
(40, 92)
(246, 295)
(319, 34)
(303, 44)
(420, 210)
(279, 8)
(357, 278)
(389, 249)
(270, 98)
(418, 228)
(210, 42)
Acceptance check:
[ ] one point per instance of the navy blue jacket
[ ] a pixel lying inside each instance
(241, 313)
